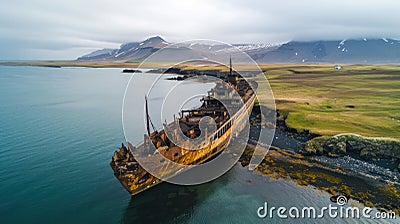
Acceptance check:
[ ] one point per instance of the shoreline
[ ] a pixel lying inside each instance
(348, 179)
(61, 64)
(304, 171)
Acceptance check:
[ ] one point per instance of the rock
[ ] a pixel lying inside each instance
(315, 146)
(354, 145)
(334, 198)
(335, 145)
(367, 154)
(131, 71)
(343, 144)
(332, 155)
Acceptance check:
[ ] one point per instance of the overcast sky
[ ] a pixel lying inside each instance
(52, 29)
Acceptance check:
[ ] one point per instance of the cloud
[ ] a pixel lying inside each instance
(50, 29)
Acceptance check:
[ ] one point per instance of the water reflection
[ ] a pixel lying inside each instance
(162, 204)
(169, 203)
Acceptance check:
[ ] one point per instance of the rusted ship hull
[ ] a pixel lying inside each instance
(123, 160)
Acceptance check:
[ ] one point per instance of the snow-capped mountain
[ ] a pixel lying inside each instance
(363, 50)
(127, 51)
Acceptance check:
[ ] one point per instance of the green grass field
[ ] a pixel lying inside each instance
(357, 99)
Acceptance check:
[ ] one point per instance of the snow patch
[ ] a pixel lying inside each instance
(247, 47)
(341, 44)
(117, 55)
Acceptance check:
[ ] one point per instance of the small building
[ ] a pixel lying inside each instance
(337, 67)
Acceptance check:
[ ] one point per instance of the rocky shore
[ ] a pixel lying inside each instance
(339, 165)
(187, 73)
(368, 148)
(308, 171)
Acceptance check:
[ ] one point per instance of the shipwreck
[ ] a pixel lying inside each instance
(136, 179)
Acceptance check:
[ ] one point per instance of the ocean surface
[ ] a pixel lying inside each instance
(58, 131)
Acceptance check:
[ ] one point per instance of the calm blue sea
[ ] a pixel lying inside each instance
(58, 131)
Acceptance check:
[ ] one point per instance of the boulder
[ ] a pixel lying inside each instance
(315, 146)
(335, 145)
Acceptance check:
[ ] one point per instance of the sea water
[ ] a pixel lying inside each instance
(58, 131)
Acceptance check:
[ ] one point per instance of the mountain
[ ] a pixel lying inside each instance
(363, 51)
(127, 51)
(98, 55)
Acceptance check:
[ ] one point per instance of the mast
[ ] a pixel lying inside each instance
(232, 78)
(148, 120)
(230, 65)
(147, 116)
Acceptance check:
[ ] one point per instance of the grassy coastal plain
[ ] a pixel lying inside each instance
(356, 99)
